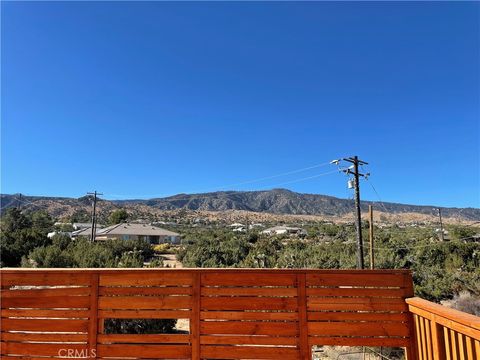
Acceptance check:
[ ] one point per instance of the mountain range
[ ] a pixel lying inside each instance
(276, 201)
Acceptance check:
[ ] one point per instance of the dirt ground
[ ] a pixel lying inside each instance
(170, 260)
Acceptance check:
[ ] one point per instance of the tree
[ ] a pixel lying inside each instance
(118, 216)
(80, 216)
(42, 221)
(47, 256)
(18, 236)
(14, 219)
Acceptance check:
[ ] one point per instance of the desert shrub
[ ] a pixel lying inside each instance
(467, 302)
(162, 248)
(139, 326)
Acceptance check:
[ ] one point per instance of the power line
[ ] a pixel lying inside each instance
(205, 196)
(277, 175)
(378, 195)
(305, 178)
(218, 188)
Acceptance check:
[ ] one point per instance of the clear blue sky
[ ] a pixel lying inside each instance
(150, 99)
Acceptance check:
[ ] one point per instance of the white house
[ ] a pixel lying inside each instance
(130, 231)
(281, 230)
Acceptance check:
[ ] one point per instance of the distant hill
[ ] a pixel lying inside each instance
(282, 201)
(276, 201)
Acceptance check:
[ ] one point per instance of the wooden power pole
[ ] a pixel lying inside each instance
(442, 237)
(370, 233)
(94, 214)
(353, 170)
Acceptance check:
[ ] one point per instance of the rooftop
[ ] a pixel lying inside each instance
(136, 229)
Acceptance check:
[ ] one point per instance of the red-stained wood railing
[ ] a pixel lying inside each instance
(443, 333)
(233, 313)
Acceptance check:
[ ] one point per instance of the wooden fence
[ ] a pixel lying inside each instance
(443, 333)
(232, 313)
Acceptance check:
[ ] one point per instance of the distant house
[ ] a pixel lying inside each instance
(288, 230)
(130, 231)
(236, 225)
(473, 238)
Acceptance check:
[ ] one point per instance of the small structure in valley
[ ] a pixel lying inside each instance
(131, 231)
(285, 230)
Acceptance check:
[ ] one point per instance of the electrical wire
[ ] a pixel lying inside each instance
(304, 179)
(378, 195)
(252, 181)
(191, 197)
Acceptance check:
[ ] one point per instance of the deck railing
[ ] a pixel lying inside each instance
(232, 313)
(443, 333)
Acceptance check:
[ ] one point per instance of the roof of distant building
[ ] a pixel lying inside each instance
(89, 224)
(280, 227)
(84, 232)
(136, 229)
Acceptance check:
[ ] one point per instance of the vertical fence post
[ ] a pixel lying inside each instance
(305, 350)
(93, 316)
(412, 350)
(195, 318)
(437, 340)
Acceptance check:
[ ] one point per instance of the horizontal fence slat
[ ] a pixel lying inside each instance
(144, 291)
(33, 349)
(357, 279)
(63, 325)
(354, 300)
(247, 279)
(7, 357)
(43, 337)
(247, 352)
(356, 316)
(355, 291)
(143, 338)
(248, 340)
(366, 306)
(48, 302)
(139, 302)
(34, 292)
(151, 279)
(45, 313)
(41, 278)
(249, 328)
(358, 341)
(144, 314)
(248, 303)
(144, 351)
(357, 329)
(248, 315)
(249, 291)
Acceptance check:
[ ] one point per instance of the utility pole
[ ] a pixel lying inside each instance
(353, 170)
(441, 224)
(94, 214)
(370, 232)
